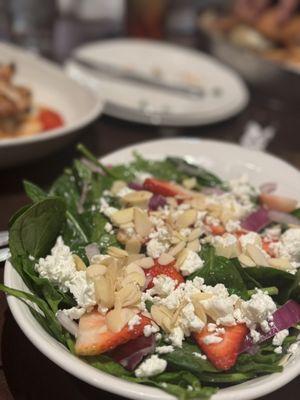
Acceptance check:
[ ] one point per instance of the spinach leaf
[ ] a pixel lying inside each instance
(204, 177)
(35, 231)
(34, 192)
(17, 214)
(218, 269)
(296, 213)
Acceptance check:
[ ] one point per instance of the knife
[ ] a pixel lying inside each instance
(123, 74)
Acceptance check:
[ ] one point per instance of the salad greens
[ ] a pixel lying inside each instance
(68, 209)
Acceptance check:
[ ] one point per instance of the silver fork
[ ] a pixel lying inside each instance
(4, 253)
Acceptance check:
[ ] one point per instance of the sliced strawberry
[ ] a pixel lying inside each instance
(278, 203)
(168, 270)
(165, 188)
(223, 355)
(217, 229)
(50, 119)
(94, 338)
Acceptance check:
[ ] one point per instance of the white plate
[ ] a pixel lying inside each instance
(229, 161)
(140, 104)
(50, 87)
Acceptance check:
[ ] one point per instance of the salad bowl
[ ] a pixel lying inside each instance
(227, 160)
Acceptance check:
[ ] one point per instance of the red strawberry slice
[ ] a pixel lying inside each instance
(94, 338)
(223, 355)
(159, 269)
(165, 188)
(50, 119)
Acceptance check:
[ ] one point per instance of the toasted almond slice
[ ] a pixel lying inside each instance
(280, 263)
(257, 255)
(189, 183)
(195, 234)
(186, 219)
(134, 277)
(133, 246)
(165, 259)
(181, 257)
(199, 202)
(134, 257)
(79, 264)
(123, 216)
(128, 296)
(133, 267)
(95, 270)
(117, 186)
(104, 292)
(196, 297)
(200, 312)
(172, 202)
(174, 251)
(162, 316)
(116, 252)
(116, 319)
(139, 198)
(246, 260)
(194, 245)
(145, 263)
(142, 222)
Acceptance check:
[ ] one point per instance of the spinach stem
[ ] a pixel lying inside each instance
(271, 291)
(92, 158)
(72, 219)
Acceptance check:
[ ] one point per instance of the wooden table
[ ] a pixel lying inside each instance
(25, 373)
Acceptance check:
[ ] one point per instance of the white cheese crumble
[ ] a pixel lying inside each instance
(232, 226)
(124, 191)
(192, 262)
(149, 330)
(135, 320)
(140, 177)
(162, 286)
(278, 350)
(106, 209)
(176, 337)
(164, 349)
(155, 248)
(59, 268)
(199, 355)
(212, 339)
(74, 312)
(279, 337)
(250, 238)
(108, 227)
(150, 367)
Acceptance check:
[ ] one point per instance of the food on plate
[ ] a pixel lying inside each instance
(271, 30)
(162, 273)
(18, 114)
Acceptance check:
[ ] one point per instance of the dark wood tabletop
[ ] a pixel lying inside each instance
(25, 373)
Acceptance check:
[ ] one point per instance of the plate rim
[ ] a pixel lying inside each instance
(65, 130)
(67, 361)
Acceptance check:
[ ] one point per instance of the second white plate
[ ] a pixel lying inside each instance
(225, 94)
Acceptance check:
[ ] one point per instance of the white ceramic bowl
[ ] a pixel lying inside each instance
(51, 87)
(229, 161)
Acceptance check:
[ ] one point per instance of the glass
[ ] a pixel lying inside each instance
(146, 18)
(32, 23)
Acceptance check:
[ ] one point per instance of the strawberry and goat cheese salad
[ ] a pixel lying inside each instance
(160, 273)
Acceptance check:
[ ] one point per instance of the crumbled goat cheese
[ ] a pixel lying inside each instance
(140, 177)
(74, 312)
(293, 348)
(255, 335)
(124, 191)
(31, 258)
(135, 320)
(258, 309)
(155, 248)
(226, 240)
(242, 189)
(162, 286)
(149, 330)
(250, 238)
(59, 269)
(106, 209)
(192, 262)
(221, 309)
(232, 226)
(279, 337)
(278, 350)
(210, 220)
(289, 246)
(108, 227)
(188, 321)
(199, 355)
(164, 349)
(211, 339)
(150, 367)
(273, 233)
(211, 327)
(158, 336)
(176, 337)
(102, 310)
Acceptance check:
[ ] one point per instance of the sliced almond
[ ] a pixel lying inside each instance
(79, 264)
(95, 270)
(133, 246)
(116, 252)
(280, 263)
(195, 234)
(194, 245)
(133, 267)
(122, 237)
(146, 262)
(139, 198)
(117, 186)
(181, 257)
(134, 277)
(199, 202)
(200, 312)
(186, 219)
(142, 223)
(257, 255)
(134, 257)
(163, 317)
(174, 251)
(122, 216)
(116, 319)
(246, 260)
(189, 183)
(129, 295)
(104, 292)
(165, 259)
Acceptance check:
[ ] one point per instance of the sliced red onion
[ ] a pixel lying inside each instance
(212, 190)
(91, 250)
(268, 187)
(135, 186)
(92, 166)
(130, 354)
(156, 201)
(285, 317)
(256, 220)
(84, 192)
(67, 323)
(283, 218)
